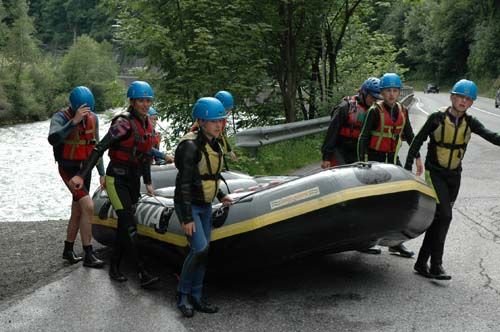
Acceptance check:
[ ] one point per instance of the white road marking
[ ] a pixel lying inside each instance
(419, 103)
(480, 110)
(420, 107)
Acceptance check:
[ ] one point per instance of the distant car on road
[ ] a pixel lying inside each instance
(431, 88)
(497, 99)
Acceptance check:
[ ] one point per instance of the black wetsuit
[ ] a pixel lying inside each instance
(123, 186)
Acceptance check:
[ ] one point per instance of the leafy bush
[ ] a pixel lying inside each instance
(279, 158)
(91, 64)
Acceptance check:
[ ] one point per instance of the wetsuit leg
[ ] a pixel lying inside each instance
(194, 264)
(452, 184)
(124, 193)
(447, 188)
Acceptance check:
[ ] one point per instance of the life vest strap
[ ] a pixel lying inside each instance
(209, 177)
(451, 146)
(382, 134)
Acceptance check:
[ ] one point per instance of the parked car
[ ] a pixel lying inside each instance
(497, 99)
(431, 88)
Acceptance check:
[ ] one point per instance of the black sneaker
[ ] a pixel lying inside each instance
(437, 272)
(203, 306)
(115, 273)
(186, 310)
(422, 269)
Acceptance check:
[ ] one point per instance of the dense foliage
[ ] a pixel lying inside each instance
(448, 39)
(291, 59)
(34, 82)
(282, 59)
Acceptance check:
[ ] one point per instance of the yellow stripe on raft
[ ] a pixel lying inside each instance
(178, 240)
(288, 212)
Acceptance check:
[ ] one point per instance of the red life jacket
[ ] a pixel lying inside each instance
(387, 137)
(355, 117)
(81, 140)
(136, 148)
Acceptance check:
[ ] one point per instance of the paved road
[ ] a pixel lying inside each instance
(344, 292)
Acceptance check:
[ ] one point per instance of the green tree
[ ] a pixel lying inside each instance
(196, 48)
(91, 64)
(60, 22)
(20, 51)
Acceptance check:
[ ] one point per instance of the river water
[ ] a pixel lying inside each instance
(30, 186)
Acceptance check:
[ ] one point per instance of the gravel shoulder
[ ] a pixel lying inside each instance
(31, 256)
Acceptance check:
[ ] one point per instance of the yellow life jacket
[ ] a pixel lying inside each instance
(209, 167)
(451, 141)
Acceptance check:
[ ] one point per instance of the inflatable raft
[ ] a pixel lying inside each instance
(344, 208)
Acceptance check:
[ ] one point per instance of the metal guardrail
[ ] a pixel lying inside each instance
(254, 138)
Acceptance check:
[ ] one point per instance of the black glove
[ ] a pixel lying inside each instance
(219, 216)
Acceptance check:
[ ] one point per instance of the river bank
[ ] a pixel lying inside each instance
(31, 255)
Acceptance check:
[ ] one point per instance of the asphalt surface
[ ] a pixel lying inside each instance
(344, 292)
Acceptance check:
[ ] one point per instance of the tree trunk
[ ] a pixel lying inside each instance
(303, 107)
(288, 72)
(333, 51)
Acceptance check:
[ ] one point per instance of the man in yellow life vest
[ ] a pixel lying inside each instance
(385, 125)
(449, 130)
(198, 158)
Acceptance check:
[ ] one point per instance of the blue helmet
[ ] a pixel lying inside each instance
(465, 88)
(226, 99)
(208, 108)
(81, 95)
(371, 86)
(152, 112)
(140, 90)
(390, 80)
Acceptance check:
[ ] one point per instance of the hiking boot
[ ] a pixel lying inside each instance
(69, 254)
(90, 260)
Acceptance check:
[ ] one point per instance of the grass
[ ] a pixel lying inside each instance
(279, 158)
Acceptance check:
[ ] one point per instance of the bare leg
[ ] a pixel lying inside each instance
(71, 232)
(86, 206)
(74, 222)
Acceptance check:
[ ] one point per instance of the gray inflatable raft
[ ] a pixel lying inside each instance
(344, 208)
